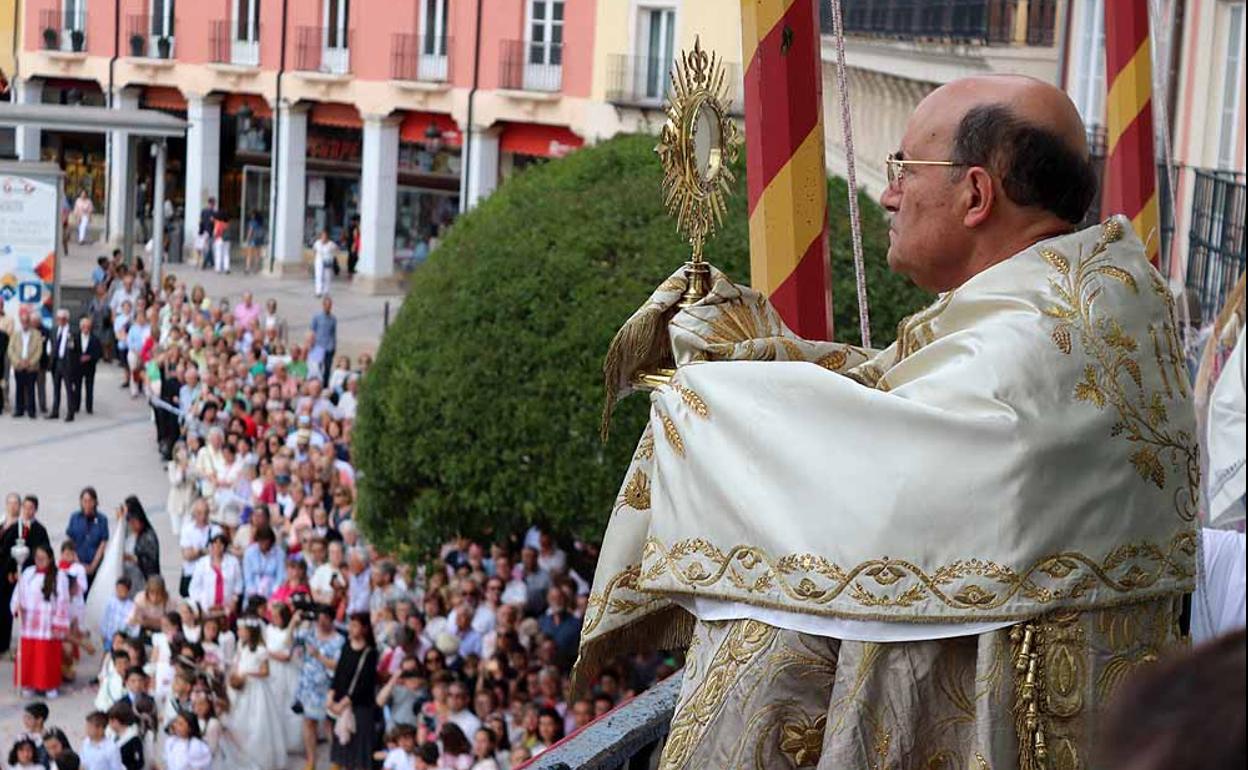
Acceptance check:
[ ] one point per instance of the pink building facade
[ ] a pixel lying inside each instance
(316, 114)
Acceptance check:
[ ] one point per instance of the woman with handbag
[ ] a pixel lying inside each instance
(352, 698)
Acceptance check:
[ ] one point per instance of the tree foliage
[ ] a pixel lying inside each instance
(481, 412)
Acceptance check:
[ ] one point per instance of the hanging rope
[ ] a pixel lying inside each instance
(847, 131)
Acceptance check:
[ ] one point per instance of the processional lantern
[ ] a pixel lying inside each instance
(697, 146)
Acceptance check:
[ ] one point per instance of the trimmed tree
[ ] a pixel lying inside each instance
(480, 415)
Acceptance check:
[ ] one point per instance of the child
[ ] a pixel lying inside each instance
(112, 676)
(77, 638)
(137, 699)
(119, 608)
(179, 700)
(98, 752)
(33, 718)
(403, 755)
(121, 326)
(23, 756)
(55, 745)
(185, 750)
(128, 738)
(428, 757)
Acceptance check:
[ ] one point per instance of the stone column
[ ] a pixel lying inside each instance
(203, 160)
(483, 166)
(379, 187)
(118, 162)
(27, 138)
(289, 175)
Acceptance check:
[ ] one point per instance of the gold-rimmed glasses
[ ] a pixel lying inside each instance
(897, 166)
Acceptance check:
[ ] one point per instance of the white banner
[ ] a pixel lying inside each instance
(29, 216)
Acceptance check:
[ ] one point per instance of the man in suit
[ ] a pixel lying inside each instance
(25, 350)
(91, 350)
(64, 352)
(24, 527)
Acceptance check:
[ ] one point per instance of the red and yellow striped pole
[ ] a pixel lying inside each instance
(786, 179)
(1130, 185)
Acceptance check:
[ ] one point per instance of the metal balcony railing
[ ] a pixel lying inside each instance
(228, 45)
(318, 49)
(420, 58)
(1217, 249)
(531, 66)
(988, 22)
(145, 40)
(64, 29)
(626, 737)
(644, 81)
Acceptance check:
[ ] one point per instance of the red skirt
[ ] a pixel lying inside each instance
(40, 664)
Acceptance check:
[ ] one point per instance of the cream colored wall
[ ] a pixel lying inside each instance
(8, 56)
(716, 22)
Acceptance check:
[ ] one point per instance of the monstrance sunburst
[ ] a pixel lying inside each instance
(697, 145)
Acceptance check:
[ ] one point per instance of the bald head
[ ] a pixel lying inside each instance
(1015, 171)
(1034, 102)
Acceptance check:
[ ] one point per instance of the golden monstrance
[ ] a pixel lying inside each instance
(698, 144)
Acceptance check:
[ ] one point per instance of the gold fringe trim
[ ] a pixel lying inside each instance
(638, 346)
(670, 628)
(1027, 642)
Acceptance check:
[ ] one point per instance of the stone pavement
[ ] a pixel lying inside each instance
(114, 450)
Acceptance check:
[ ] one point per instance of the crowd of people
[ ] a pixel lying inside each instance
(287, 629)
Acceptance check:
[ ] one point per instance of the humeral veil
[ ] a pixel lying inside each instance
(1017, 473)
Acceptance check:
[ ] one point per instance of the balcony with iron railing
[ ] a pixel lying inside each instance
(985, 22)
(420, 58)
(531, 66)
(323, 50)
(1216, 249)
(64, 29)
(643, 82)
(143, 40)
(230, 44)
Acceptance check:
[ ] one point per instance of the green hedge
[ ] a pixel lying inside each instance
(481, 412)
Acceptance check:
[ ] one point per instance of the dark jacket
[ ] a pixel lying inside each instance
(94, 351)
(69, 363)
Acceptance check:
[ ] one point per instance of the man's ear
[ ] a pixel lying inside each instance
(980, 196)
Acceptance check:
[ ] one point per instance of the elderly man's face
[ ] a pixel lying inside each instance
(926, 234)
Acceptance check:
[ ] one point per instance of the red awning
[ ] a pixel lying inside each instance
(258, 104)
(336, 115)
(415, 124)
(163, 98)
(537, 139)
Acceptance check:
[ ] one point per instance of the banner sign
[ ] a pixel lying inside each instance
(29, 217)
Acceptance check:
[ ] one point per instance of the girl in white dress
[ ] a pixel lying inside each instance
(255, 716)
(184, 749)
(227, 754)
(284, 672)
(181, 489)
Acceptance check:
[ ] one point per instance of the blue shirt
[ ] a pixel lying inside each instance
(263, 572)
(325, 327)
(87, 534)
(116, 613)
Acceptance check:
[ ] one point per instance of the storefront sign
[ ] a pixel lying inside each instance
(337, 148)
(29, 216)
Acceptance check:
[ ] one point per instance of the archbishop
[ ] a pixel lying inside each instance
(946, 554)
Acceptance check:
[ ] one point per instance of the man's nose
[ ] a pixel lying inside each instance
(890, 199)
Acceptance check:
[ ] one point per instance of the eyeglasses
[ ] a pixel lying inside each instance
(897, 167)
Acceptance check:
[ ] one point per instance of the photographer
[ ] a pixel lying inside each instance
(322, 645)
